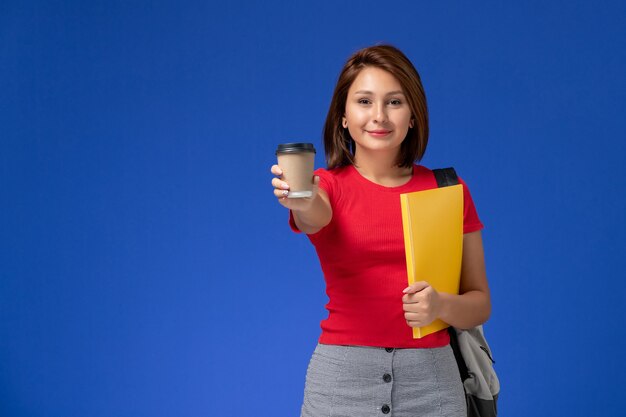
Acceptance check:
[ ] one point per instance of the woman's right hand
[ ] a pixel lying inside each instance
(281, 191)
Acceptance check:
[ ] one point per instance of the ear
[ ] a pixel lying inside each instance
(411, 123)
(344, 122)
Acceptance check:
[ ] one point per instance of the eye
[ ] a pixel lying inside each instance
(364, 101)
(395, 102)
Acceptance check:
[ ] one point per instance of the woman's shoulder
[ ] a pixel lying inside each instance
(423, 173)
(333, 175)
(421, 170)
(332, 172)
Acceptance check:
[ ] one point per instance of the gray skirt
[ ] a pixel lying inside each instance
(361, 381)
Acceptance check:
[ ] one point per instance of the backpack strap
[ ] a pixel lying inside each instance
(460, 362)
(446, 177)
(483, 387)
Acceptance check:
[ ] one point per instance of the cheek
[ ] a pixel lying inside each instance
(356, 118)
(404, 119)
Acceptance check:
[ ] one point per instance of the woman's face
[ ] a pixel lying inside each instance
(377, 114)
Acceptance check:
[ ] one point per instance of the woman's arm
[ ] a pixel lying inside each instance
(422, 304)
(310, 214)
(473, 306)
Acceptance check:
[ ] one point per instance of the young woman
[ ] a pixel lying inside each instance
(367, 362)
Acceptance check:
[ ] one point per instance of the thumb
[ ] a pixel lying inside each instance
(316, 184)
(415, 287)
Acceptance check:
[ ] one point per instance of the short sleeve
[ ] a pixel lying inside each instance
(471, 221)
(327, 183)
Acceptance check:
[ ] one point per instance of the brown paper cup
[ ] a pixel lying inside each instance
(297, 160)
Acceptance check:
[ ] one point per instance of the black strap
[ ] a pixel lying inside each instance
(446, 177)
(460, 362)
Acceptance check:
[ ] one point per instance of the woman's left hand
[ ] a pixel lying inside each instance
(421, 304)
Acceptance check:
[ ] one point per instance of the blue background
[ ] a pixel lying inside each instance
(146, 268)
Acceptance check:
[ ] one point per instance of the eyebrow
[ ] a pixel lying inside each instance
(388, 94)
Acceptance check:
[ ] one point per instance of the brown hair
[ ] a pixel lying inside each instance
(338, 144)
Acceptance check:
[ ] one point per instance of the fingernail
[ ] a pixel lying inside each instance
(405, 290)
(284, 186)
(285, 192)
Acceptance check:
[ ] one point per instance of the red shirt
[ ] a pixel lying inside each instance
(362, 255)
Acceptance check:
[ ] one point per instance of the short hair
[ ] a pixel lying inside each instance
(338, 144)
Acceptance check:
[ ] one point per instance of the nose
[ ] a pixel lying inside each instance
(380, 113)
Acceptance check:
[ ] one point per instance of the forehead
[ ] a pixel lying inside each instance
(375, 80)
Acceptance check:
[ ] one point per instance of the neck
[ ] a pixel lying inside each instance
(382, 168)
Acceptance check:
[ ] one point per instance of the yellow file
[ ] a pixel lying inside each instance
(432, 221)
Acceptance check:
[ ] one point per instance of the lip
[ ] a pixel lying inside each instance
(379, 133)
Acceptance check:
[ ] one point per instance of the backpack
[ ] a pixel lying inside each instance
(471, 351)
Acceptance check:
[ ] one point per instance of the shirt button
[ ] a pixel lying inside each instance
(387, 378)
(389, 349)
(385, 409)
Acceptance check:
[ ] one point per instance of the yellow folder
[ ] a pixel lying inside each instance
(432, 221)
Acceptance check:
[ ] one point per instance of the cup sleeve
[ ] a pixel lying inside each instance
(471, 221)
(327, 183)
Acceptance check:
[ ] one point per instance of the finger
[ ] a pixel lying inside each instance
(415, 323)
(316, 187)
(281, 193)
(413, 317)
(276, 170)
(278, 184)
(412, 307)
(416, 287)
(414, 298)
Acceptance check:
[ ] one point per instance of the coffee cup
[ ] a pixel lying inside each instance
(297, 160)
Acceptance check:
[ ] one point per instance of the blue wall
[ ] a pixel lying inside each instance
(147, 270)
